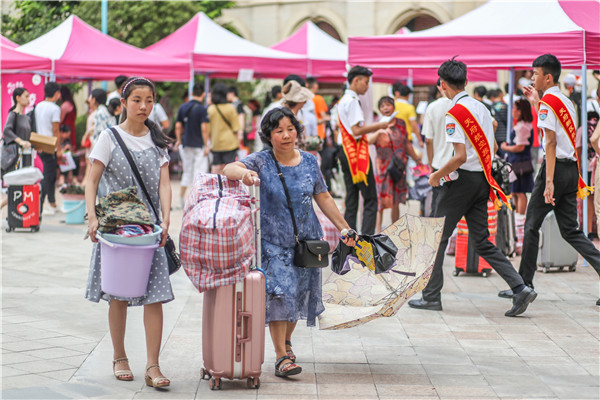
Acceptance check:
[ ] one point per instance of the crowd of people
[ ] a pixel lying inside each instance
(297, 138)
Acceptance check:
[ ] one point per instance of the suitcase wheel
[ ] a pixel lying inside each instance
(485, 274)
(204, 374)
(545, 269)
(456, 272)
(253, 383)
(9, 229)
(572, 268)
(35, 228)
(214, 384)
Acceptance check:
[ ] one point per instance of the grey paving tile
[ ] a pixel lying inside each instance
(323, 368)
(51, 353)
(335, 389)
(25, 381)
(285, 388)
(401, 379)
(63, 375)
(448, 369)
(31, 393)
(344, 378)
(402, 391)
(25, 345)
(396, 369)
(466, 391)
(36, 367)
(571, 392)
(461, 381)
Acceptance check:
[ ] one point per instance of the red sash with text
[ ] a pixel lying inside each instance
(357, 153)
(479, 141)
(563, 115)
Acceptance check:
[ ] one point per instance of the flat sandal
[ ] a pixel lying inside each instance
(122, 374)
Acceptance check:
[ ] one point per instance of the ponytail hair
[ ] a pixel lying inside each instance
(157, 135)
(16, 93)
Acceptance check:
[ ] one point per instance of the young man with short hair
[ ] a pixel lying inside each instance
(469, 129)
(355, 160)
(116, 94)
(558, 183)
(47, 121)
(191, 131)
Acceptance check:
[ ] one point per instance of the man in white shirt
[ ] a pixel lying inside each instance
(355, 160)
(468, 194)
(558, 183)
(47, 121)
(159, 116)
(116, 94)
(434, 129)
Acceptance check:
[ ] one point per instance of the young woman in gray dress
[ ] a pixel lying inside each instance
(111, 172)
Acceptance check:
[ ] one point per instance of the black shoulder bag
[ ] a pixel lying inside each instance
(171, 251)
(396, 169)
(307, 253)
(225, 119)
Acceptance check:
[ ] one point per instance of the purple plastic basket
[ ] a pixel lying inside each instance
(125, 269)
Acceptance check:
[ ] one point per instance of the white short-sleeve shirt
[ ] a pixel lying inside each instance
(46, 113)
(350, 112)
(548, 120)
(158, 114)
(103, 148)
(434, 130)
(456, 134)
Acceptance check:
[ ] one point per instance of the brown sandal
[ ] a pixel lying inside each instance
(286, 369)
(122, 374)
(290, 352)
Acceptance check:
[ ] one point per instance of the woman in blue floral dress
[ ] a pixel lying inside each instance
(293, 293)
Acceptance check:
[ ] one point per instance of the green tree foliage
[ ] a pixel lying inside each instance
(139, 23)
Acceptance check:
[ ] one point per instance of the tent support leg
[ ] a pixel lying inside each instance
(206, 88)
(511, 102)
(584, 144)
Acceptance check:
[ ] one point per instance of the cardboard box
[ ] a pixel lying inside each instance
(47, 144)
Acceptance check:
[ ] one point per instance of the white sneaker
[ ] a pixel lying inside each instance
(50, 211)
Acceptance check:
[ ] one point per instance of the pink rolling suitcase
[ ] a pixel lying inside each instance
(233, 324)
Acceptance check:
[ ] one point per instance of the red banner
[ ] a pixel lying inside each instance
(357, 153)
(477, 137)
(563, 115)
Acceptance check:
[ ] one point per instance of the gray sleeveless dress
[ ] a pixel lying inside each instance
(118, 175)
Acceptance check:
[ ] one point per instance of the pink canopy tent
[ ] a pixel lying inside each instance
(8, 43)
(216, 51)
(324, 57)
(12, 60)
(80, 51)
(499, 34)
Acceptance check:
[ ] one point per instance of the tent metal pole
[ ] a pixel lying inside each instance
(104, 17)
(511, 102)
(584, 143)
(206, 87)
(191, 86)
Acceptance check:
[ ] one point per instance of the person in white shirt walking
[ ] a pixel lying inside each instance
(47, 121)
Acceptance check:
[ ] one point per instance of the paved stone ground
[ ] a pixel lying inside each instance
(55, 344)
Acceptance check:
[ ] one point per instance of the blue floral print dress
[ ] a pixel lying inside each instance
(293, 293)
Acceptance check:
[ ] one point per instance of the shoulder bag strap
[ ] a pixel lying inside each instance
(224, 119)
(287, 194)
(134, 168)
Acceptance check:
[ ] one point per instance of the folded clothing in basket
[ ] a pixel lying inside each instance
(133, 230)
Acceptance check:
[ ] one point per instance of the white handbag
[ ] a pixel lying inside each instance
(23, 176)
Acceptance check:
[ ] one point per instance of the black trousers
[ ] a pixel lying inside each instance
(566, 177)
(49, 179)
(467, 196)
(369, 193)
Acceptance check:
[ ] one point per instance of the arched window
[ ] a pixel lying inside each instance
(329, 29)
(419, 23)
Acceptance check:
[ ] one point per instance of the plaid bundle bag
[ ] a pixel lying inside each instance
(217, 235)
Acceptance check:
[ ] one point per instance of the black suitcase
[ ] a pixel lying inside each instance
(505, 237)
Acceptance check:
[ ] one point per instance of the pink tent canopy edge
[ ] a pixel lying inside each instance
(13, 60)
(8, 43)
(487, 51)
(225, 61)
(90, 54)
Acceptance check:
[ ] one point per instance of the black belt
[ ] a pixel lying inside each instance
(565, 161)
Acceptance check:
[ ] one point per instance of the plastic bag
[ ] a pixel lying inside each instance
(339, 256)
(384, 252)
